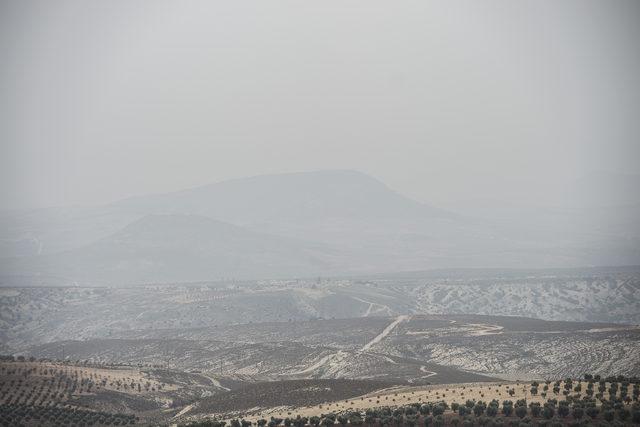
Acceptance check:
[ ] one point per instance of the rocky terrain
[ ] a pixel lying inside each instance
(405, 348)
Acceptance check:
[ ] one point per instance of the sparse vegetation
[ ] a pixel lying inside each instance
(33, 391)
(42, 383)
(29, 415)
(134, 370)
(482, 413)
(570, 409)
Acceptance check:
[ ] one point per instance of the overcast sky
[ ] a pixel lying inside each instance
(442, 101)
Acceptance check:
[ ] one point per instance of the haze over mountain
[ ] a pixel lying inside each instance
(256, 213)
(176, 247)
(301, 197)
(301, 224)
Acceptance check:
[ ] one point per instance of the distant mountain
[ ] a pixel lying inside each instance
(165, 248)
(341, 208)
(303, 224)
(328, 206)
(300, 197)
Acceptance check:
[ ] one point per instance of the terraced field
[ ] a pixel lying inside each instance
(44, 384)
(56, 384)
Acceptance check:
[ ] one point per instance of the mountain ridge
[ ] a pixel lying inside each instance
(277, 194)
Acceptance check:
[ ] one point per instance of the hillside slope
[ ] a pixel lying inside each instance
(165, 248)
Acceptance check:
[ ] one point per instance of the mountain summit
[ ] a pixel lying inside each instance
(303, 196)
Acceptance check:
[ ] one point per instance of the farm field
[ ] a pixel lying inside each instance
(53, 388)
(59, 383)
(166, 354)
(568, 393)
(46, 393)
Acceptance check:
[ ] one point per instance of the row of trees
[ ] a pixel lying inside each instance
(18, 415)
(43, 385)
(551, 413)
(77, 362)
(616, 390)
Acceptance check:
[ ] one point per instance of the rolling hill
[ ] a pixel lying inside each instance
(165, 248)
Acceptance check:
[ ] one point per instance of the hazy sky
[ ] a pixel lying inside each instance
(441, 100)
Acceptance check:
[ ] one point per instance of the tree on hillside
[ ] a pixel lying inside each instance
(535, 409)
(507, 408)
(563, 409)
(577, 412)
